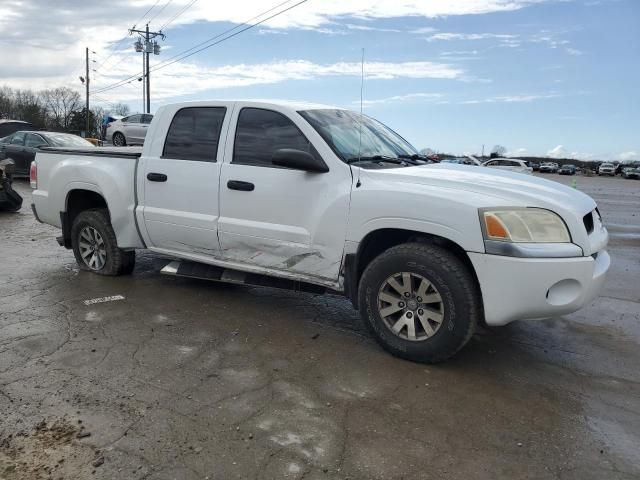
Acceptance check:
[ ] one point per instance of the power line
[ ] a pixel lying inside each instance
(248, 27)
(145, 13)
(115, 49)
(184, 54)
(159, 11)
(175, 17)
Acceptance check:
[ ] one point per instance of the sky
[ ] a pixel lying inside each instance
(541, 77)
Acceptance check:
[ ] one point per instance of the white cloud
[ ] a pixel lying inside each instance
(423, 30)
(31, 58)
(191, 78)
(367, 28)
(314, 14)
(518, 152)
(626, 156)
(523, 98)
(557, 152)
(573, 51)
(446, 36)
(402, 98)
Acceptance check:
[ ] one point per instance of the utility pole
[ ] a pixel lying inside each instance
(150, 46)
(146, 52)
(87, 85)
(144, 85)
(482, 150)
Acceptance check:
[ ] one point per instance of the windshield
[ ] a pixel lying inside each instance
(341, 130)
(67, 140)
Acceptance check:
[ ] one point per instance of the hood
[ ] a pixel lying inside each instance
(506, 188)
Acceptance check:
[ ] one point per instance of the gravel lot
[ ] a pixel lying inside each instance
(187, 379)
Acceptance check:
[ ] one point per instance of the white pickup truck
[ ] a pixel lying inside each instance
(319, 198)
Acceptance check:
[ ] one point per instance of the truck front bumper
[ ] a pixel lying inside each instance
(528, 288)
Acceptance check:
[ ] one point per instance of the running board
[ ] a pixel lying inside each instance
(203, 271)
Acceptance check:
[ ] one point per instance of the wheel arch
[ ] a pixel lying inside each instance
(76, 201)
(380, 240)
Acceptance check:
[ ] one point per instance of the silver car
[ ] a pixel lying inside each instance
(129, 130)
(509, 164)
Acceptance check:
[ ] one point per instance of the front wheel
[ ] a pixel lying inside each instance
(95, 246)
(119, 140)
(420, 302)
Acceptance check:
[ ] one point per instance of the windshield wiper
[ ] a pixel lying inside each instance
(416, 157)
(380, 158)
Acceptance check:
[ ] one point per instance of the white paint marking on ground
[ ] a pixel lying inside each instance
(93, 316)
(112, 298)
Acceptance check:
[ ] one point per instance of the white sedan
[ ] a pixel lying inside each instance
(510, 164)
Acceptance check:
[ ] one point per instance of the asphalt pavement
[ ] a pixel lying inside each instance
(149, 376)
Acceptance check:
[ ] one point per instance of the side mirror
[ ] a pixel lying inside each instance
(298, 160)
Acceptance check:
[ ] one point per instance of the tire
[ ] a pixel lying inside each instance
(92, 227)
(460, 306)
(118, 139)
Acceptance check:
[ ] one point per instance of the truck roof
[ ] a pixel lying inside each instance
(292, 104)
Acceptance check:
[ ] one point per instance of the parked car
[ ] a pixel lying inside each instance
(607, 169)
(22, 146)
(107, 120)
(129, 130)
(567, 169)
(290, 195)
(535, 166)
(549, 167)
(7, 127)
(631, 172)
(509, 164)
(467, 160)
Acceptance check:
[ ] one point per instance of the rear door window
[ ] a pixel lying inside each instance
(34, 140)
(194, 134)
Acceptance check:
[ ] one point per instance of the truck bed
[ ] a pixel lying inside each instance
(120, 152)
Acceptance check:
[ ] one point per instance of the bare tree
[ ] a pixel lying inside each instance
(61, 103)
(120, 109)
(498, 151)
(97, 114)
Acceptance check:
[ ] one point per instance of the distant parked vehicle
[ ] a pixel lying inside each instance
(468, 160)
(607, 169)
(22, 146)
(129, 130)
(549, 167)
(535, 166)
(567, 169)
(509, 164)
(107, 120)
(631, 172)
(7, 127)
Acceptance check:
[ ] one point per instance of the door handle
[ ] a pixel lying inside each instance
(240, 185)
(156, 177)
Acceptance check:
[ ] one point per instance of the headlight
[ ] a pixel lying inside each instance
(523, 225)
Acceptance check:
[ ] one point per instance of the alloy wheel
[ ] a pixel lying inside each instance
(410, 306)
(92, 248)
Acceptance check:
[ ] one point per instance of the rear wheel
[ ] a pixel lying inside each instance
(420, 302)
(95, 246)
(119, 140)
